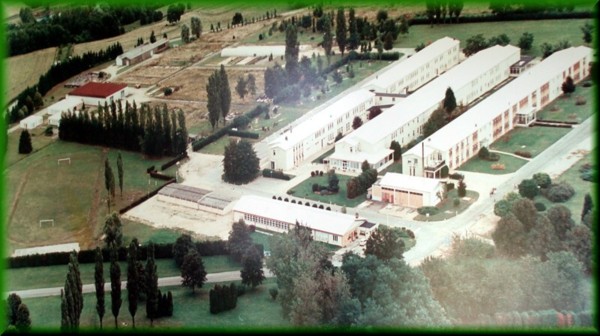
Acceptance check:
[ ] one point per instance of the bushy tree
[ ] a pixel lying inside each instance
(252, 273)
(183, 244)
(386, 243)
(543, 180)
(395, 146)
(23, 320)
(12, 306)
(240, 163)
(356, 122)
(449, 101)
(568, 86)
(99, 285)
(196, 26)
(587, 29)
(185, 33)
(292, 50)
(528, 188)
(510, 237)
(484, 153)
(474, 44)
(240, 87)
(25, 146)
(113, 230)
(192, 270)
(526, 41)
(239, 240)
(340, 30)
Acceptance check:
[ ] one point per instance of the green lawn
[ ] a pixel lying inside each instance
(54, 276)
(261, 238)
(448, 205)
(565, 109)
(254, 308)
(511, 165)
(38, 142)
(395, 167)
(304, 190)
(531, 139)
(71, 194)
(146, 233)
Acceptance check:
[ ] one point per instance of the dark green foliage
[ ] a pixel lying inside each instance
(25, 146)
(224, 92)
(252, 273)
(237, 18)
(528, 188)
(182, 246)
(484, 153)
(359, 185)
(275, 174)
(133, 279)
(587, 29)
(449, 101)
(474, 44)
(540, 206)
(275, 80)
(115, 284)
(526, 41)
(73, 295)
(510, 236)
(99, 285)
(213, 98)
(222, 298)
(340, 30)
(356, 122)
(243, 134)
(120, 172)
(23, 321)
(560, 192)
(273, 291)
(174, 12)
(12, 306)
(239, 240)
(196, 26)
(428, 210)
(152, 298)
(543, 180)
(395, 146)
(560, 216)
(185, 33)
(386, 243)
(579, 241)
(192, 270)
(292, 50)
(113, 230)
(501, 39)
(462, 188)
(240, 163)
(240, 87)
(327, 35)
(436, 121)
(587, 205)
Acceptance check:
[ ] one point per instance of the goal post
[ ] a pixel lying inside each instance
(46, 221)
(63, 160)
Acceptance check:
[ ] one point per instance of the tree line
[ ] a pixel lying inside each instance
(30, 99)
(76, 25)
(154, 132)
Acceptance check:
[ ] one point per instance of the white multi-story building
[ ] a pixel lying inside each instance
(296, 144)
(515, 104)
(407, 75)
(403, 122)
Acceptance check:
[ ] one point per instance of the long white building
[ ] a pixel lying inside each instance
(327, 226)
(408, 75)
(295, 144)
(515, 104)
(403, 122)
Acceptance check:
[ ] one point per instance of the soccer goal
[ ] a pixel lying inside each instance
(46, 221)
(63, 160)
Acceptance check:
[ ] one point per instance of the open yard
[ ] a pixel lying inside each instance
(72, 194)
(304, 190)
(532, 139)
(190, 311)
(447, 208)
(565, 109)
(511, 165)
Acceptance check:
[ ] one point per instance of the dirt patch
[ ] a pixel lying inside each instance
(148, 74)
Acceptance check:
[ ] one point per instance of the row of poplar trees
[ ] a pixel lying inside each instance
(218, 97)
(142, 284)
(154, 132)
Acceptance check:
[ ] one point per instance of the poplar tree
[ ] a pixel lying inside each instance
(292, 50)
(115, 283)
(327, 37)
(133, 279)
(72, 296)
(151, 286)
(224, 92)
(120, 172)
(354, 37)
(99, 283)
(213, 99)
(340, 30)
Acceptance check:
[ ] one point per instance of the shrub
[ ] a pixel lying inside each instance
(275, 174)
(462, 188)
(243, 134)
(484, 153)
(444, 172)
(449, 186)
(273, 292)
(493, 157)
(543, 180)
(167, 91)
(328, 208)
(279, 198)
(524, 154)
(312, 174)
(315, 187)
(321, 173)
(580, 100)
(48, 131)
(321, 206)
(586, 84)
(560, 192)
(293, 201)
(540, 206)
(456, 201)
(428, 210)
(286, 199)
(456, 176)
(528, 188)
(241, 290)
(498, 166)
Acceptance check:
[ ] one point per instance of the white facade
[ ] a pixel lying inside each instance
(330, 227)
(31, 122)
(405, 190)
(407, 75)
(142, 52)
(54, 119)
(297, 143)
(255, 51)
(403, 122)
(515, 104)
(68, 104)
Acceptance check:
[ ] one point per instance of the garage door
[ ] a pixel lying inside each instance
(416, 200)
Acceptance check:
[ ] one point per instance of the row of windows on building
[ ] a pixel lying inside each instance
(267, 221)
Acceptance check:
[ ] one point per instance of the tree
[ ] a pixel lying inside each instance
(240, 88)
(587, 29)
(455, 7)
(113, 230)
(579, 241)
(332, 181)
(115, 283)
(109, 180)
(379, 46)
(560, 216)
(292, 50)
(25, 146)
(388, 41)
(133, 279)
(151, 286)
(528, 188)
(526, 41)
(340, 30)
(327, 36)
(12, 306)
(385, 243)
(474, 44)
(462, 188)
(436, 121)
(353, 35)
(356, 122)
(252, 273)
(237, 19)
(240, 163)
(251, 84)
(275, 80)
(449, 101)
(99, 285)
(568, 86)
(23, 321)
(395, 146)
(196, 26)
(510, 237)
(73, 295)
(239, 240)
(192, 270)
(185, 33)
(501, 39)
(484, 153)
(525, 211)
(213, 104)
(174, 12)
(224, 92)
(120, 172)
(374, 112)
(587, 205)
(26, 15)
(181, 248)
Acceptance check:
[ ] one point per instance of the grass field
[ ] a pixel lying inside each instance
(54, 276)
(532, 139)
(71, 194)
(25, 70)
(511, 165)
(447, 208)
(565, 109)
(304, 190)
(254, 309)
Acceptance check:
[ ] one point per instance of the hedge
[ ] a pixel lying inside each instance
(143, 198)
(161, 251)
(456, 176)
(178, 158)
(161, 176)
(275, 174)
(243, 134)
(524, 154)
(428, 210)
(509, 17)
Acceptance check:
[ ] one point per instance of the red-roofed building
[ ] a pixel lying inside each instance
(93, 93)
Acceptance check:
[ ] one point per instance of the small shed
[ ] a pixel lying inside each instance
(31, 122)
(407, 191)
(68, 104)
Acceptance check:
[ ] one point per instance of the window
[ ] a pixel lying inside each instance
(335, 238)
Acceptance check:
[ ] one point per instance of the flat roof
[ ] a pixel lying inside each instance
(432, 93)
(142, 49)
(317, 219)
(97, 90)
(408, 182)
(330, 113)
(361, 156)
(505, 97)
(63, 105)
(32, 117)
(403, 68)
